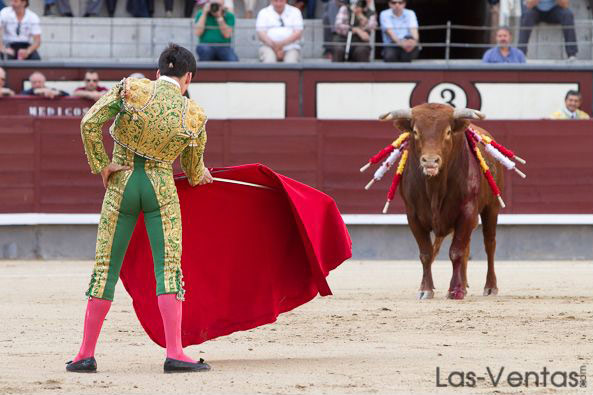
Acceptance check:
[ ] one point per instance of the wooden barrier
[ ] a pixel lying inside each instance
(43, 168)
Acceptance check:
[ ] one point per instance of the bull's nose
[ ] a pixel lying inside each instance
(430, 160)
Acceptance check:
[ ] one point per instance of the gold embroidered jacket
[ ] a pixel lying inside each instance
(153, 120)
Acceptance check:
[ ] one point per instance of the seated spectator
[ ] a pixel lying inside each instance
(4, 91)
(365, 22)
(279, 27)
(91, 89)
(549, 11)
(503, 52)
(400, 32)
(21, 32)
(572, 102)
(214, 27)
(38, 88)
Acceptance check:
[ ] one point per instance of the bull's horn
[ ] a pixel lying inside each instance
(397, 114)
(468, 113)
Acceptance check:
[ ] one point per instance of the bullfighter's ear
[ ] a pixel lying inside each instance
(459, 125)
(403, 124)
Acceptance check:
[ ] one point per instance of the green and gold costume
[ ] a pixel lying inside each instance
(154, 124)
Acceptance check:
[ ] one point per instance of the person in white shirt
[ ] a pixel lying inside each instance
(21, 32)
(279, 27)
(400, 32)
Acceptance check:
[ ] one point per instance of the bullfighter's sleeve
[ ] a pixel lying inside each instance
(90, 127)
(192, 157)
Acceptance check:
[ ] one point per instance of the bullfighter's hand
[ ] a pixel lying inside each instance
(206, 178)
(110, 169)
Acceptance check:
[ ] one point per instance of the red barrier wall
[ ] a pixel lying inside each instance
(43, 167)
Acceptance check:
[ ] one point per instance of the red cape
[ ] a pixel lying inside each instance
(249, 254)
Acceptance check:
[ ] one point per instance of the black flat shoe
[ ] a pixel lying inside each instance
(87, 365)
(177, 366)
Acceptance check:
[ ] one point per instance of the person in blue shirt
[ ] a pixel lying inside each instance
(503, 52)
(549, 11)
(400, 32)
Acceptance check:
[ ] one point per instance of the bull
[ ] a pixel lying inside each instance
(444, 191)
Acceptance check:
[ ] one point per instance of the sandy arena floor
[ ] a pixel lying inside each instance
(372, 336)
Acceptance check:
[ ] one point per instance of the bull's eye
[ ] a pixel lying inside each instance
(448, 133)
(415, 134)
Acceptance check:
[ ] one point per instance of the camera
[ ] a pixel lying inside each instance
(214, 7)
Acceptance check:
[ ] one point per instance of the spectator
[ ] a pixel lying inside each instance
(91, 89)
(4, 91)
(572, 102)
(214, 27)
(503, 52)
(365, 22)
(400, 32)
(38, 88)
(550, 11)
(279, 27)
(21, 32)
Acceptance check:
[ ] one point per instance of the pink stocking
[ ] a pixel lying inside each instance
(170, 309)
(96, 310)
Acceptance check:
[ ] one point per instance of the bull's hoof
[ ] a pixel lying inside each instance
(490, 291)
(456, 294)
(422, 295)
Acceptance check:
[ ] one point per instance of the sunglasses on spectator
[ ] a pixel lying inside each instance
(90, 80)
(397, 2)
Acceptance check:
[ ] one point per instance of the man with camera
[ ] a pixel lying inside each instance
(214, 27)
(400, 32)
(354, 25)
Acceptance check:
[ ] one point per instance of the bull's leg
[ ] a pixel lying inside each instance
(425, 247)
(459, 254)
(464, 268)
(489, 219)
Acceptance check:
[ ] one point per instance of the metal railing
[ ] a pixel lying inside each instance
(145, 39)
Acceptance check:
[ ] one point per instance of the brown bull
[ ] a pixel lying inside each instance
(444, 190)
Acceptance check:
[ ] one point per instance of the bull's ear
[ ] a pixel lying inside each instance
(459, 125)
(403, 124)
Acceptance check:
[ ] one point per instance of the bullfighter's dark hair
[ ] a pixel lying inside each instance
(572, 93)
(176, 61)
